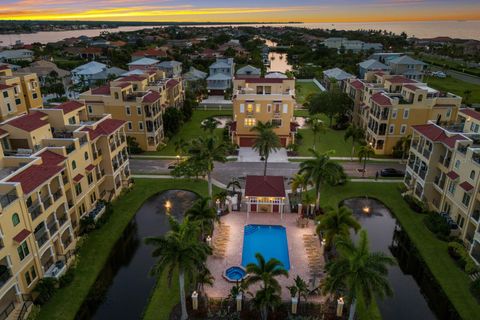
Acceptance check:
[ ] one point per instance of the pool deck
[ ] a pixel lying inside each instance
(233, 254)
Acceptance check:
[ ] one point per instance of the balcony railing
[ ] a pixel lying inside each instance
(462, 149)
(57, 194)
(83, 140)
(47, 202)
(422, 174)
(42, 238)
(5, 276)
(6, 199)
(476, 215)
(70, 148)
(62, 219)
(65, 179)
(426, 153)
(35, 210)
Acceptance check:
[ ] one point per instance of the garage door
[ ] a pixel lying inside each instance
(283, 141)
(246, 142)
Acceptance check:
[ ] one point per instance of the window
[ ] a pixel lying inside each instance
(34, 95)
(285, 108)
(268, 90)
(406, 113)
(391, 129)
(449, 113)
(466, 199)
(93, 197)
(269, 108)
(72, 120)
(15, 219)
(139, 110)
(420, 98)
(78, 189)
(85, 155)
(129, 125)
(74, 165)
(249, 108)
(140, 125)
(394, 114)
(259, 90)
(23, 250)
(250, 122)
(457, 164)
(9, 108)
(277, 122)
(242, 108)
(90, 109)
(403, 128)
(116, 95)
(257, 108)
(5, 94)
(18, 101)
(33, 272)
(27, 278)
(90, 178)
(452, 186)
(472, 174)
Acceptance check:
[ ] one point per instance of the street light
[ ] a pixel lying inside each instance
(168, 206)
(178, 159)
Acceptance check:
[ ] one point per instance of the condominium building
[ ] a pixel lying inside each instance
(19, 92)
(263, 100)
(387, 106)
(444, 172)
(55, 167)
(139, 100)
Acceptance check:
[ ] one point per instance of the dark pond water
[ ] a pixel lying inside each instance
(408, 301)
(124, 286)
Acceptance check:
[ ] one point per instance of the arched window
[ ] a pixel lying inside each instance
(472, 174)
(15, 219)
(86, 155)
(74, 165)
(420, 97)
(457, 164)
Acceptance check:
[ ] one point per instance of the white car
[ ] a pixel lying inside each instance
(439, 74)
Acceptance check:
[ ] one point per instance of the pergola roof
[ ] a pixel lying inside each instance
(264, 186)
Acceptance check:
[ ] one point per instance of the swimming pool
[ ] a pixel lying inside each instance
(270, 241)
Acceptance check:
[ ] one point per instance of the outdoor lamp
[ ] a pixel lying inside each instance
(366, 209)
(194, 300)
(340, 304)
(168, 205)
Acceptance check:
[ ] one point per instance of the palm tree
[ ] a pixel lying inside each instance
(299, 289)
(203, 214)
(356, 134)
(321, 170)
(204, 277)
(210, 124)
(233, 183)
(405, 143)
(265, 273)
(265, 143)
(364, 154)
(337, 223)
(179, 249)
(203, 152)
(362, 273)
(299, 181)
(317, 126)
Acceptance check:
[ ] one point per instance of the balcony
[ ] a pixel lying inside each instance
(426, 153)
(98, 211)
(57, 194)
(5, 274)
(70, 148)
(52, 227)
(41, 236)
(47, 202)
(56, 270)
(62, 219)
(476, 215)
(422, 174)
(462, 149)
(35, 210)
(113, 146)
(8, 198)
(83, 140)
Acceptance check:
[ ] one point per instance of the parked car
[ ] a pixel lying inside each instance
(439, 74)
(391, 172)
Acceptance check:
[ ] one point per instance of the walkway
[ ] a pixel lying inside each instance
(249, 155)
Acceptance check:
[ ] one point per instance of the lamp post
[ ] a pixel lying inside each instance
(340, 304)
(178, 159)
(168, 206)
(195, 300)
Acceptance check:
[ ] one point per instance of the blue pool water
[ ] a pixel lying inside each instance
(270, 241)
(235, 273)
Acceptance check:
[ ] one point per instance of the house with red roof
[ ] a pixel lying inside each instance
(265, 194)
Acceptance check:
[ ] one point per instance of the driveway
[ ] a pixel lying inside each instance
(247, 154)
(223, 172)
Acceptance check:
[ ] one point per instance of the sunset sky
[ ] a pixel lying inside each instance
(245, 10)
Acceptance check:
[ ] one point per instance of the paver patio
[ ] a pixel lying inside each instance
(233, 257)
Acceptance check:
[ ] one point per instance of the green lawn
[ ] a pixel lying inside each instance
(96, 248)
(191, 130)
(304, 89)
(455, 86)
(454, 281)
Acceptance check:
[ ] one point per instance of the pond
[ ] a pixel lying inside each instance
(124, 286)
(408, 300)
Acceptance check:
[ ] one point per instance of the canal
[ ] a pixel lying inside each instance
(408, 300)
(124, 286)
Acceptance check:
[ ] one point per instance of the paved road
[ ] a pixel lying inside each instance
(458, 75)
(224, 171)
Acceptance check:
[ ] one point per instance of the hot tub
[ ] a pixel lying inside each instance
(235, 274)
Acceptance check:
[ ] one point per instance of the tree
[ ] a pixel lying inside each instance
(204, 277)
(233, 183)
(179, 249)
(265, 273)
(331, 103)
(203, 152)
(356, 134)
(133, 146)
(266, 142)
(402, 147)
(317, 126)
(210, 124)
(203, 214)
(336, 223)
(362, 273)
(172, 120)
(299, 289)
(321, 170)
(364, 154)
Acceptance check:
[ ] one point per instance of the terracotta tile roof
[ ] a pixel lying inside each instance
(133, 77)
(104, 128)
(268, 186)
(70, 106)
(77, 178)
(4, 86)
(357, 84)
(466, 186)
(34, 176)
(437, 134)
(90, 167)
(51, 158)
(411, 87)
(121, 85)
(400, 79)
(150, 52)
(261, 80)
(172, 83)
(452, 175)
(381, 99)
(29, 122)
(103, 90)
(471, 113)
(4, 67)
(151, 97)
(22, 235)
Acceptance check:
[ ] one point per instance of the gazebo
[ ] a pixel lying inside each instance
(265, 194)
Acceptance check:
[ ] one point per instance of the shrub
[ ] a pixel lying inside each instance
(437, 225)
(67, 278)
(45, 289)
(475, 289)
(458, 252)
(415, 204)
